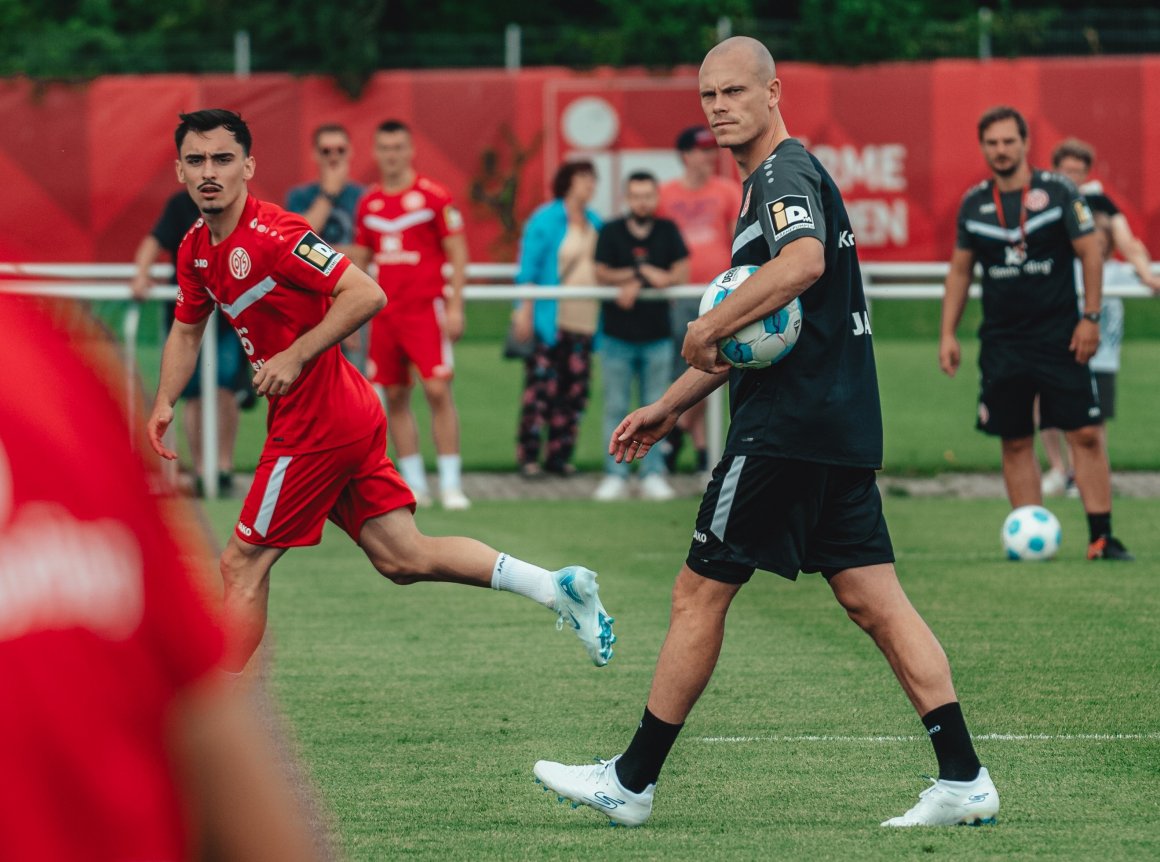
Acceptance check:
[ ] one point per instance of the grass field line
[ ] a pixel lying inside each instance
(990, 737)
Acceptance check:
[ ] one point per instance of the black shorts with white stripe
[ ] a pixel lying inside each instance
(786, 517)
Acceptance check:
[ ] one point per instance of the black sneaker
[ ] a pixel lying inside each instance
(1108, 548)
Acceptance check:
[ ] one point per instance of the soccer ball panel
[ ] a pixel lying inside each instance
(763, 342)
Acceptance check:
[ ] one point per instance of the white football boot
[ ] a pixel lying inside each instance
(597, 787)
(954, 803)
(454, 500)
(578, 605)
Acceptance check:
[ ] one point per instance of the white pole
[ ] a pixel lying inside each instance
(512, 44)
(242, 54)
(209, 411)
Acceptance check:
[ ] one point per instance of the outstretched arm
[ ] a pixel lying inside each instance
(356, 300)
(178, 361)
(642, 428)
(1134, 252)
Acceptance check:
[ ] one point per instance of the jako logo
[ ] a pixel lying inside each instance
(698, 536)
(244, 530)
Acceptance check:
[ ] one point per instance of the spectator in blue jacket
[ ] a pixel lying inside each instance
(557, 248)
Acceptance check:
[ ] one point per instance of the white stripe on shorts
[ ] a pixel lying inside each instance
(725, 498)
(270, 498)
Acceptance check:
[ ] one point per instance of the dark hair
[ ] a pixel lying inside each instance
(393, 126)
(1002, 112)
(641, 177)
(214, 118)
(1073, 148)
(327, 129)
(562, 181)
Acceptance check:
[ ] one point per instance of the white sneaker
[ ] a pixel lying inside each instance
(578, 605)
(1053, 483)
(455, 500)
(611, 488)
(954, 803)
(597, 787)
(654, 486)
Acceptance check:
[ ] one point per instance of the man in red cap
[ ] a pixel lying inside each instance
(704, 205)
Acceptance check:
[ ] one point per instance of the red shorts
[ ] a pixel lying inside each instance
(405, 336)
(294, 494)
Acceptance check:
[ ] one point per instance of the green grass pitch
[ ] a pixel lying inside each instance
(420, 710)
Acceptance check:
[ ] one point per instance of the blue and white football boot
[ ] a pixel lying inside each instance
(954, 803)
(578, 605)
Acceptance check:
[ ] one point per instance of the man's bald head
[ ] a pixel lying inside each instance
(747, 50)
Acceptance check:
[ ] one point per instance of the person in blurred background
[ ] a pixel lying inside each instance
(1073, 158)
(409, 227)
(704, 207)
(233, 379)
(557, 248)
(328, 203)
(637, 254)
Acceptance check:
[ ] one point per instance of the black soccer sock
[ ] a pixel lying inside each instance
(641, 763)
(1099, 525)
(953, 748)
(702, 460)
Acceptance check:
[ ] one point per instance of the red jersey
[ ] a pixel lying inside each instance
(706, 218)
(101, 626)
(405, 231)
(273, 279)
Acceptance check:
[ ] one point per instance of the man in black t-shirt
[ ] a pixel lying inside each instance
(1026, 228)
(796, 488)
(637, 253)
(233, 377)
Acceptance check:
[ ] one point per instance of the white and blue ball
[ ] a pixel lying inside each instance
(763, 342)
(1031, 533)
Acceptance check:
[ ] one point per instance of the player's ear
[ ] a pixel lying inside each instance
(774, 92)
(180, 172)
(248, 168)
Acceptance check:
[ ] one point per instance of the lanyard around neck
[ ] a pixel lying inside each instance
(1022, 244)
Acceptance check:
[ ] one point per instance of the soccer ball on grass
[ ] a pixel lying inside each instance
(1031, 533)
(763, 342)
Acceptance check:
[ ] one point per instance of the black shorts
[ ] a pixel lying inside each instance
(1007, 392)
(787, 516)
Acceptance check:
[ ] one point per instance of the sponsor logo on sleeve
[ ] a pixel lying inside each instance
(313, 251)
(452, 218)
(239, 263)
(790, 213)
(1083, 215)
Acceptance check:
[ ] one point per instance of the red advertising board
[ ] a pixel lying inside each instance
(87, 167)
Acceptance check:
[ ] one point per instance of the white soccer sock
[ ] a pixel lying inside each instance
(413, 472)
(529, 580)
(450, 472)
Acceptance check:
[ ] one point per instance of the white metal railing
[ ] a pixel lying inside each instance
(109, 281)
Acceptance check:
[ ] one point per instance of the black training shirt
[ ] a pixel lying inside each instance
(820, 403)
(1028, 277)
(617, 247)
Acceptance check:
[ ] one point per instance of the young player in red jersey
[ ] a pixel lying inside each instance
(408, 225)
(117, 739)
(291, 299)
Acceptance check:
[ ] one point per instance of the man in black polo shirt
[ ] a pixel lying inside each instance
(1027, 228)
(796, 488)
(637, 253)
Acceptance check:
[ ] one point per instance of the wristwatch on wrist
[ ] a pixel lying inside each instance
(1093, 316)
